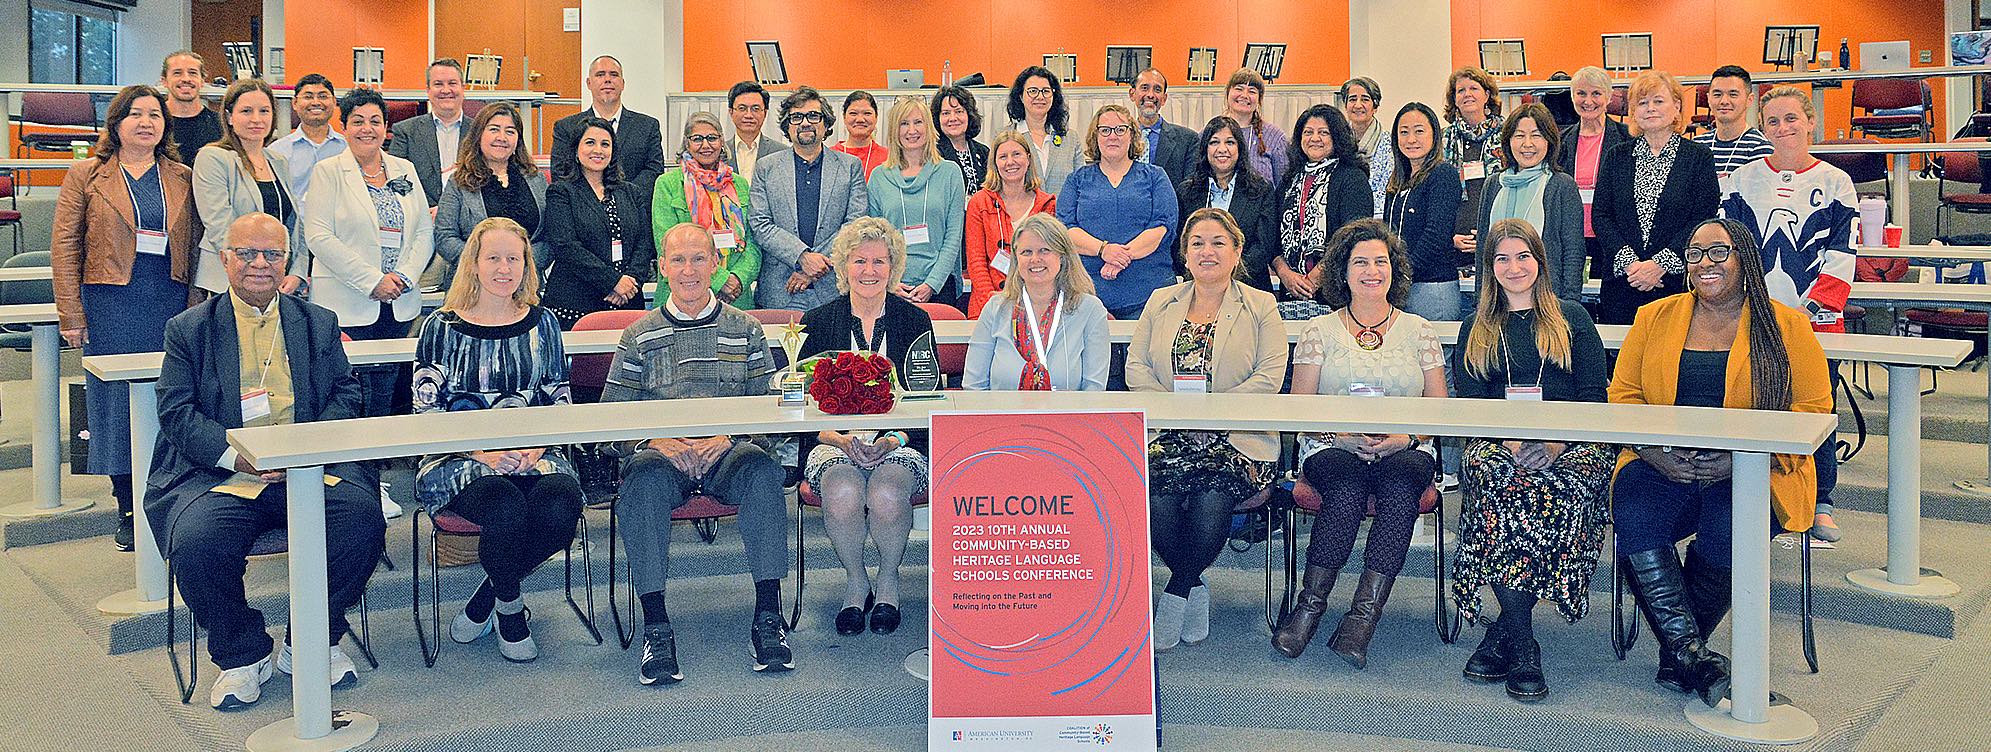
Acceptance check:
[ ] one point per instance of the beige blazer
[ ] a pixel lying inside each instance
(343, 232)
(1251, 351)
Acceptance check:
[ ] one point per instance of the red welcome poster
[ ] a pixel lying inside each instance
(1039, 593)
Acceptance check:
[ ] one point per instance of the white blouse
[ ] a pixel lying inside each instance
(1396, 369)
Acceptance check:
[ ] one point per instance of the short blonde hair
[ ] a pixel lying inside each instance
(895, 157)
(1782, 91)
(1136, 143)
(1659, 82)
(465, 288)
(1073, 282)
(1593, 76)
(860, 231)
(1033, 178)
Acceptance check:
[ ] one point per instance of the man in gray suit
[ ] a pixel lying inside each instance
(797, 201)
(431, 140)
(746, 104)
(1171, 147)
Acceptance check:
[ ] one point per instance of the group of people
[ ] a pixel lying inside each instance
(1209, 239)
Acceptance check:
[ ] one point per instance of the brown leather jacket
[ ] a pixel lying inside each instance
(95, 236)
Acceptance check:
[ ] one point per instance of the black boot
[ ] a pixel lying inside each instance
(1708, 587)
(122, 539)
(1297, 629)
(1351, 638)
(1660, 588)
(1492, 661)
(1525, 681)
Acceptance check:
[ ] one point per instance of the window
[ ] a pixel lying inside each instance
(71, 44)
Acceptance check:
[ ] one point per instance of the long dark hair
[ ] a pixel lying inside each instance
(1489, 327)
(1053, 120)
(1242, 172)
(1345, 148)
(567, 164)
(1769, 362)
(112, 143)
(1404, 178)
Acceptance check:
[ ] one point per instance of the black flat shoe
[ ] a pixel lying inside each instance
(884, 618)
(850, 621)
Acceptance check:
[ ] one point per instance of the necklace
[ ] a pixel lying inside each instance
(381, 174)
(1370, 336)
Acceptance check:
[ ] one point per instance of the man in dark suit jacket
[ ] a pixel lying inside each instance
(253, 357)
(1169, 146)
(639, 138)
(425, 139)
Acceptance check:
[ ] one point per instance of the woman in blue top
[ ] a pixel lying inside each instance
(1119, 211)
(922, 195)
(1045, 331)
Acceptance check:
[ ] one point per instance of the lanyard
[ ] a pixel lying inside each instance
(1037, 338)
(1540, 366)
(269, 356)
(131, 192)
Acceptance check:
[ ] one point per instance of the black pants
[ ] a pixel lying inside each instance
(209, 539)
(1346, 485)
(526, 519)
(1189, 532)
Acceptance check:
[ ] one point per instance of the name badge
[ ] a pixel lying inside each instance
(1525, 393)
(615, 250)
(723, 240)
(1589, 195)
(1472, 171)
(1360, 389)
(1000, 262)
(390, 238)
(916, 234)
(1192, 383)
(152, 242)
(255, 404)
(1826, 317)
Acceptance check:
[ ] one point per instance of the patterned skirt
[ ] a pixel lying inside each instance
(1181, 463)
(823, 457)
(1537, 531)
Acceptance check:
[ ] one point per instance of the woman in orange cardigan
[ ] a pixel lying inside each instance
(1014, 189)
(1725, 344)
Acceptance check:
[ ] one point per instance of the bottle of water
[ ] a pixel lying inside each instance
(1845, 55)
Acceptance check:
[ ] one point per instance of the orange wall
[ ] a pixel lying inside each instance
(1001, 37)
(319, 37)
(1693, 37)
(519, 30)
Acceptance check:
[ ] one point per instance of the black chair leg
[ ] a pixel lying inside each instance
(627, 635)
(587, 571)
(1804, 607)
(801, 566)
(1448, 624)
(365, 637)
(189, 678)
(430, 635)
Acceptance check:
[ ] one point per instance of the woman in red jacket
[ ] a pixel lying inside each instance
(1014, 189)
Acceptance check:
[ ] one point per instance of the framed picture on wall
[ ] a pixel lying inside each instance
(369, 66)
(1504, 57)
(1628, 53)
(769, 68)
(1125, 62)
(1065, 65)
(482, 71)
(1202, 65)
(1790, 46)
(1266, 58)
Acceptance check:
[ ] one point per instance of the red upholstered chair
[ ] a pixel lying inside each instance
(402, 109)
(1307, 500)
(68, 109)
(1870, 94)
(446, 521)
(587, 373)
(1703, 115)
(472, 106)
(10, 217)
(1620, 102)
(1960, 167)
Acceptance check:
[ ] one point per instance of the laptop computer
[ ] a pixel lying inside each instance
(905, 78)
(1885, 56)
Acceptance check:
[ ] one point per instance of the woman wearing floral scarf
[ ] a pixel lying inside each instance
(704, 190)
(1326, 187)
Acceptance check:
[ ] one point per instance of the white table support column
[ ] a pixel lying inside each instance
(47, 449)
(313, 724)
(1897, 187)
(1749, 715)
(1904, 574)
(150, 595)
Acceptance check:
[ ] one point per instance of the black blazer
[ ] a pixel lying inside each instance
(977, 151)
(1253, 207)
(1692, 194)
(827, 328)
(639, 146)
(1565, 154)
(1348, 198)
(576, 226)
(200, 397)
(1424, 217)
(1177, 155)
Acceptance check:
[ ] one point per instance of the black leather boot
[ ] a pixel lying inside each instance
(1525, 681)
(122, 539)
(1351, 638)
(1297, 629)
(1492, 661)
(1708, 587)
(1660, 587)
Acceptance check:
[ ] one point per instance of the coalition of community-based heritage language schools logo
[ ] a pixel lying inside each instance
(957, 735)
(1099, 733)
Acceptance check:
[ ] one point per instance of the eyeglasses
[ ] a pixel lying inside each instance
(803, 117)
(1717, 253)
(249, 255)
(703, 138)
(1038, 92)
(744, 108)
(1115, 130)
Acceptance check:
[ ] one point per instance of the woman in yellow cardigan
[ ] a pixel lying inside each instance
(1725, 344)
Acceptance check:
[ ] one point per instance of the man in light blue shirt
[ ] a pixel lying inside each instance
(313, 105)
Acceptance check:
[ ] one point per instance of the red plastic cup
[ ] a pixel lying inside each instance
(1891, 235)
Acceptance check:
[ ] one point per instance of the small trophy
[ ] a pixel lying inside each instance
(794, 383)
(923, 377)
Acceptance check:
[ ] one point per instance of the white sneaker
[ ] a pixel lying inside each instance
(1447, 483)
(1196, 618)
(388, 507)
(241, 686)
(340, 672)
(1169, 610)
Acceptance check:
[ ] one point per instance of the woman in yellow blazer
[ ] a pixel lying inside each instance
(1725, 344)
(123, 248)
(1210, 334)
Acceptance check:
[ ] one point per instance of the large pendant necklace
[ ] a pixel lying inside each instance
(1370, 336)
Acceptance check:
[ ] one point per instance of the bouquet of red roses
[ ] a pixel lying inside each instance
(852, 383)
